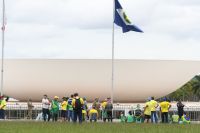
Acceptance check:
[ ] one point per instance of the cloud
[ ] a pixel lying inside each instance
(83, 29)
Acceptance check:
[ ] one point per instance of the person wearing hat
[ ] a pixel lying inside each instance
(55, 108)
(164, 108)
(2, 107)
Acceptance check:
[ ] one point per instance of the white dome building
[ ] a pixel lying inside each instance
(135, 80)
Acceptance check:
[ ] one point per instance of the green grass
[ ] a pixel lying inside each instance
(41, 127)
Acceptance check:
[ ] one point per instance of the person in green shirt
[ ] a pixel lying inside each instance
(130, 118)
(55, 108)
(70, 111)
(122, 117)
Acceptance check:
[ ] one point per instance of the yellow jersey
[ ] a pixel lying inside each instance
(147, 108)
(103, 105)
(64, 105)
(3, 105)
(93, 111)
(164, 106)
(153, 105)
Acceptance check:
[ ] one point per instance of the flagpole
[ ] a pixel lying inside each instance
(3, 41)
(113, 53)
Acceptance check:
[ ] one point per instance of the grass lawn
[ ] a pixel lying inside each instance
(41, 127)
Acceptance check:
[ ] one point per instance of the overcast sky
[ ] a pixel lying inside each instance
(83, 29)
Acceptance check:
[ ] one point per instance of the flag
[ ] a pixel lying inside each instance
(122, 20)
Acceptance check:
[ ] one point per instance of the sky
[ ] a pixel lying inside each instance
(82, 29)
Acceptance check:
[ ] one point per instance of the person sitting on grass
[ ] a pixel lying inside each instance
(122, 117)
(138, 114)
(175, 118)
(130, 117)
(185, 119)
(93, 114)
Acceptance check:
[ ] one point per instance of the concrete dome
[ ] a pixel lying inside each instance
(135, 80)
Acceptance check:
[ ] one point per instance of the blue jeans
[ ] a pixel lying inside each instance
(154, 117)
(78, 114)
(93, 117)
(70, 115)
(2, 114)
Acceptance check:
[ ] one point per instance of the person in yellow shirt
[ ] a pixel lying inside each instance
(64, 109)
(77, 104)
(164, 108)
(93, 114)
(153, 106)
(147, 111)
(2, 107)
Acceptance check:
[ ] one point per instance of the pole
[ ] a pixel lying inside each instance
(3, 41)
(113, 53)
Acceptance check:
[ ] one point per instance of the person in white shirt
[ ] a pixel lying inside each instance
(45, 108)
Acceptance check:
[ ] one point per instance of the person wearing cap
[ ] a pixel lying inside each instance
(164, 108)
(55, 108)
(2, 107)
(45, 108)
(64, 109)
(147, 111)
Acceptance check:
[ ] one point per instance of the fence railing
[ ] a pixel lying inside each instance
(20, 110)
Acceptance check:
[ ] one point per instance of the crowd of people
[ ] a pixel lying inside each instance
(75, 108)
(150, 113)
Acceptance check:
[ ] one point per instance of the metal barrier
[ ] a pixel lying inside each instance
(20, 110)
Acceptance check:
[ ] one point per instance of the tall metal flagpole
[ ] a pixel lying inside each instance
(3, 41)
(113, 53)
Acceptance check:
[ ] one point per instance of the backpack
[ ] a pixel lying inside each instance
(70, 101)
(78, 105)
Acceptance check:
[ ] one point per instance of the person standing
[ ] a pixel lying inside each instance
(55, 108)
(164, 108)
(180, 107)
(104, 114)
(85, 110)
(2, 107)
(153, 106)
(70, 109)
(147, 111)
(97, 106)
(30, 109)
(77, 104)
(64, 109)
(109, 108)
(45, 108)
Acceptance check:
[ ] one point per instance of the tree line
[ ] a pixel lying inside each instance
(188, 92)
